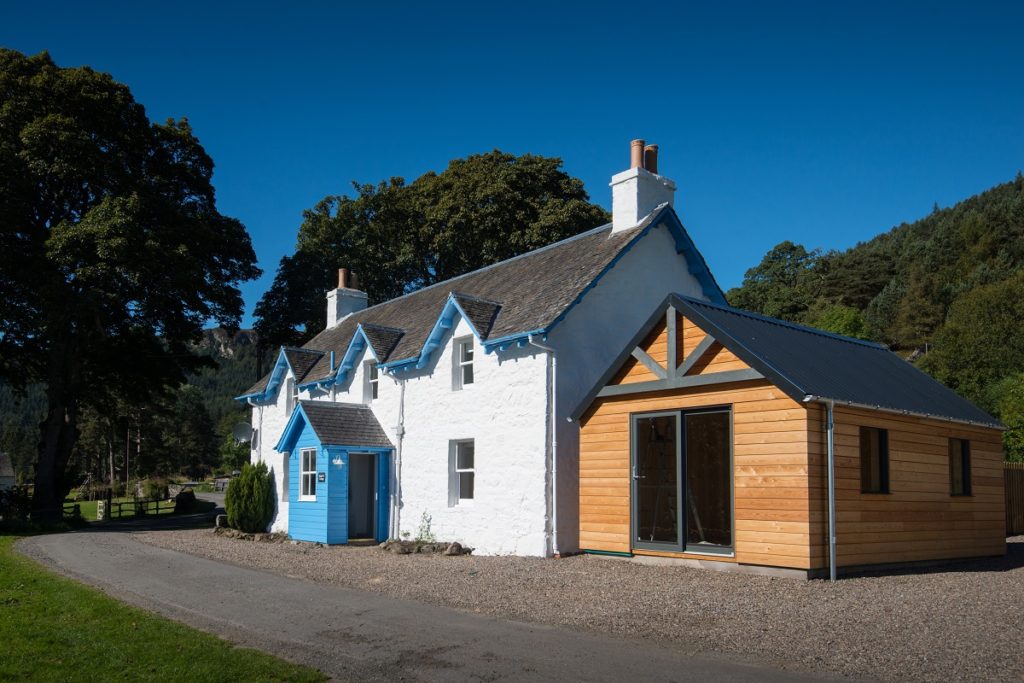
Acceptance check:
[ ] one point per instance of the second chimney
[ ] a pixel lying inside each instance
(640, 190)
(346, 299)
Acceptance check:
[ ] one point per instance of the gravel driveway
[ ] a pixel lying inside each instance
(960, 622)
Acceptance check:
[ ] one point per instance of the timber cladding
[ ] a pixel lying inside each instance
(779, 473)
(918, 519)
(770, 471)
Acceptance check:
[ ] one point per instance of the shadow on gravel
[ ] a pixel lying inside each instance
(1012, 560)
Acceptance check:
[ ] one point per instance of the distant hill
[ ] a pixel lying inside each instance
(235, 355)
(946, 291)
(901, 283)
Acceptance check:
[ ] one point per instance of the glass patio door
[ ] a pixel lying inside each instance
(656, 473)
(681, 475)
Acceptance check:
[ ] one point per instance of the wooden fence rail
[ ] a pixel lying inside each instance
(1013, 477)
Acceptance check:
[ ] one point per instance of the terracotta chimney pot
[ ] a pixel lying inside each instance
(636, 154)
(342, 278)
(651, 158)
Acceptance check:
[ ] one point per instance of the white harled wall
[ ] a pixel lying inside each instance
(593, 334)
(270, 419)
(503, 411)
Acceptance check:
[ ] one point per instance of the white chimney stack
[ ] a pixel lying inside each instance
(346, 299)
(640, 190)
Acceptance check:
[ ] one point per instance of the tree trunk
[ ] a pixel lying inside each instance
(58, 433)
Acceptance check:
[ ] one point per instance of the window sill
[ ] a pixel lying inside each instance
(307, 499)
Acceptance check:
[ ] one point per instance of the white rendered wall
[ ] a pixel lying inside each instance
(270, 419)
(503, 411)
(594, 333)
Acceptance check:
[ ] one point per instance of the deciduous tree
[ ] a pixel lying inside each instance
(112, 251)
(399, 237)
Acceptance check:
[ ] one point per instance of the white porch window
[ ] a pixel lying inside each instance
(463, 363)
(307, 481)
(371, 382)
(461, 471)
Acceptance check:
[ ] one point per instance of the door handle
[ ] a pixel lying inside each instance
(637, 476)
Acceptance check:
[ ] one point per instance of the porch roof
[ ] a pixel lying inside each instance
(336, 424)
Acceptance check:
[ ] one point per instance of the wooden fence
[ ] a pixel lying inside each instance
(1013, 476)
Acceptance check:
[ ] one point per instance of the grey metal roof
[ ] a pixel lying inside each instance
(803, 361)
(345, 424)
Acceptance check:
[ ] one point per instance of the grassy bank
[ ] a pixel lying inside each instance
(54, 629)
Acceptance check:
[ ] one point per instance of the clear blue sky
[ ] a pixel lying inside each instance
(804, 121)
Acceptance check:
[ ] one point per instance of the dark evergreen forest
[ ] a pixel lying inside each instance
(946, 292)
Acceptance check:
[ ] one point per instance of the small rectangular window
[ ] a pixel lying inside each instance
(462, 472)
(291, 396)
(463, 375)
(370, 371)
(307, 481)
(959, 467)
(874, 460)
(284, 477)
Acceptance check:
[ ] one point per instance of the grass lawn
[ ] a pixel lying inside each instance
(53, 629)
(88, 508)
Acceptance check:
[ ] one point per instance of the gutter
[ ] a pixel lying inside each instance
(553, 463)
(811, 398)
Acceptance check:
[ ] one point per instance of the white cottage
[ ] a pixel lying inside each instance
(445, 410)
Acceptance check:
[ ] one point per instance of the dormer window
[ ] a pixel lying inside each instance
(463, 365)
(372, 382)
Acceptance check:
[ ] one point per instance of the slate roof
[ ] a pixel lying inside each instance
(803, 361)
(345, 424)
(522, 294)
(301, 360)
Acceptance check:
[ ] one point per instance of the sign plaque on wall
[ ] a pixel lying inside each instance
(321, 476)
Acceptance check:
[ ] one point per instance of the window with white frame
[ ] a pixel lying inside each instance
(462, 374)
(371, 382)
(291, 395)
(307, 471)
(284, 477)
(461, 471)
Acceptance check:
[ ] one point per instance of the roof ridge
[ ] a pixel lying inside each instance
(383, 327)
(786, 323)
(303, 349)
(333, 404)
(585, 233)
(470, 297)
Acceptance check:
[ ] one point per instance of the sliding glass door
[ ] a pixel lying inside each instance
(682, 481)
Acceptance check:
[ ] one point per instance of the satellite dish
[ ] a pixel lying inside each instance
(242, 432)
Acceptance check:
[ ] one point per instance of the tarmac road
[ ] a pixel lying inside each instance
(355, 635)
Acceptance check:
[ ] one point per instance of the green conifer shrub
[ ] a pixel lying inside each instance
(248, 500)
